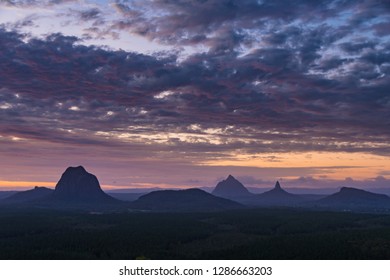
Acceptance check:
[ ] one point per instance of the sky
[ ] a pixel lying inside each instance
(181, 94)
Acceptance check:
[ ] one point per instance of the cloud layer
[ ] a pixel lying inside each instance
(241, 77)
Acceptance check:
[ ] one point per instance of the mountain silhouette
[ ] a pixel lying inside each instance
(77, 185)
(30, 195)
(277, 197)
(190, 200)
(6, 194)
(233, 189)
(355, 199)
(78, 189)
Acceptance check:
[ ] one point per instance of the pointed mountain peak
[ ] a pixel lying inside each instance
(230, 187)
(278, 197)
(230, 177)
(278, 189)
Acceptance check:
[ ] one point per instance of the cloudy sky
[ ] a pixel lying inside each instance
(180, 93)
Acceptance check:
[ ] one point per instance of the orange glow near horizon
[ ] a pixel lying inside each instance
(26, 185)
(12, 185)
(334, 165)
(318, 165)
(144, 185)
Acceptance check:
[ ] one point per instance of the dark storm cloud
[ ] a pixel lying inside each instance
(263, 83)
(32, 3)
(382, 29)
(90, 14)
(357, 47)
(228, 24)
(58, 68)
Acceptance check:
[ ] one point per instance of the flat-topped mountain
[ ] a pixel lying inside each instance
(77, 185)
(190, 200)
(351, 198)
(233, 189)
(34, 194)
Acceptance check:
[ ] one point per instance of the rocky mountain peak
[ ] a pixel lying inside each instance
(76, 184)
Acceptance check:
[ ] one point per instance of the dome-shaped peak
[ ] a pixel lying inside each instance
(78, 169)
(349, 190)
(230, 177)
(76, 184)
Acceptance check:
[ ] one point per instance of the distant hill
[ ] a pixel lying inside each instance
(131, 194)
(355, 199)
(34, 194)
(5, 194)
(126, 196)
(233, 189)
(76, 185)
(277, 197)
(134, 190)
(190, 200)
